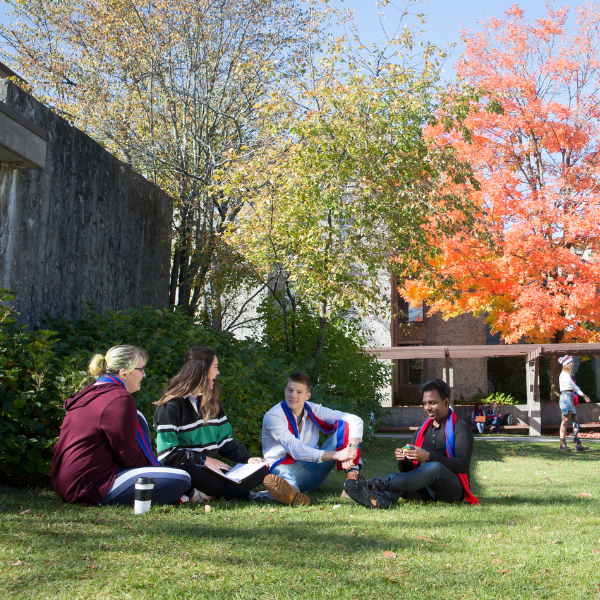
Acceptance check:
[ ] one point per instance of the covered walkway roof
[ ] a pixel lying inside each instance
(528, 351)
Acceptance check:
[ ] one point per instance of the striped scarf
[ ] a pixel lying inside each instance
(450, 451)
(340, 427)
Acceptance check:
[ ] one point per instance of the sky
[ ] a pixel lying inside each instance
(445, 18)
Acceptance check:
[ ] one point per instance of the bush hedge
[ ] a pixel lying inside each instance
(41, 367)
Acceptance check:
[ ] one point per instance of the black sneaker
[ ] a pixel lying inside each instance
(376, 484)
(360, 492)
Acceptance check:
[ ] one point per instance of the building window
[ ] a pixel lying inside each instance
(415, 371)
(410, 313)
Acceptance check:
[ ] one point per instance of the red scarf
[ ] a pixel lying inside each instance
(450, 451)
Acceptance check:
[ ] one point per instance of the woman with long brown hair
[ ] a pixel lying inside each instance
(192, 429)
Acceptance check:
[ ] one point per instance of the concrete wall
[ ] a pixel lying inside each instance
(87, 228)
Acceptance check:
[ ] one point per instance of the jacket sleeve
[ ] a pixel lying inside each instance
(232, 450)
(119, 423)
(167, 417)
(463, 449)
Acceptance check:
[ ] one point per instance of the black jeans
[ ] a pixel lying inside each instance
(431, 481)
(211, 484)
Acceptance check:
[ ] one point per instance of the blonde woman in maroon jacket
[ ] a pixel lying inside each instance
(98, 457)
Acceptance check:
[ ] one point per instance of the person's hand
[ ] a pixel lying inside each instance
(348, 464)
(587, 399)
(346, 454)
(417, 454)
(399, 454)
(215, 463)
(255, 460)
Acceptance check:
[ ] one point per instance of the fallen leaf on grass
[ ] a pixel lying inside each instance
(336, 506)
(25, 512)
(192, 577)
(511, 522)
(388, 554)
(207, 508)
(595, 551)
(496, 560)
(272, 510)
(556, 542)
(426, 539)
(323, 507)
(449, 565)
(502, 571)
(127, 527)
(16, 564)
(392, 580)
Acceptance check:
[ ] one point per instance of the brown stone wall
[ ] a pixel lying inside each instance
(468, 374)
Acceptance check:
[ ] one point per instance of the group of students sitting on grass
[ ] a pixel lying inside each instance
(104, 443)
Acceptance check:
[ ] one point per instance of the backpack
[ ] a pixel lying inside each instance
(509, 419)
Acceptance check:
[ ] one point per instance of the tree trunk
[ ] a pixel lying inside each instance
(555, 369)
(323, 320)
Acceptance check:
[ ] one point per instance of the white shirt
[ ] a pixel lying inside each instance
(278, 440)
(566, 384)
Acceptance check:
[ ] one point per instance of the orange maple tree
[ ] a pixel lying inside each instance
(530, 260)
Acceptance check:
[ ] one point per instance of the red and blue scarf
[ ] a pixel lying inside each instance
(575, 396)
(340, 427)
(450, 451)
(142, 436)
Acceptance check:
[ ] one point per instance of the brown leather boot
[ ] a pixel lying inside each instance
(579, 448)
(353, 476)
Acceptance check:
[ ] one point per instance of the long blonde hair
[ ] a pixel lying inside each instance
(569, 367)
(117, 358)
(193, 376)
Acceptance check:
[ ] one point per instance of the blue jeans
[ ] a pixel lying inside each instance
(494, 423)
(480, 427)
(431, 481)
(566, 402)
(308, 476)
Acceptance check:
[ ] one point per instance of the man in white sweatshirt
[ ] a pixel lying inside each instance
(290, 438)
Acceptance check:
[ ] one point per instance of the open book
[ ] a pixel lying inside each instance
(238, 473)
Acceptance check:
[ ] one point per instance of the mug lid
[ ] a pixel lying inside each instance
(145, 480)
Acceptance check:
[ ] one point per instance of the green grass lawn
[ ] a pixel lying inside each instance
(536, 534)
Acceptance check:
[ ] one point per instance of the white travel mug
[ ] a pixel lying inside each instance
(143, 495)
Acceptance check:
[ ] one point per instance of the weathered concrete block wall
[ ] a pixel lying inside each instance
(87, 228)
(468, 374)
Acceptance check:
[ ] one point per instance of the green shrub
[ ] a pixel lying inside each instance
(346, 378)
(488, 398)
(41, 368)
(586, 377)
(34, 383)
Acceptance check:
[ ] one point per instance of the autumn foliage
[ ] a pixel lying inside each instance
(531, 260)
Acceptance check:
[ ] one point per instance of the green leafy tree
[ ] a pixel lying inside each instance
(348, 182)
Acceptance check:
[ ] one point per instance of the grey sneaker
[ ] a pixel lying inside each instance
(263, 496)
(359, 492)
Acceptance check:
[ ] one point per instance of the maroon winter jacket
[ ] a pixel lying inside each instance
(97, 438)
